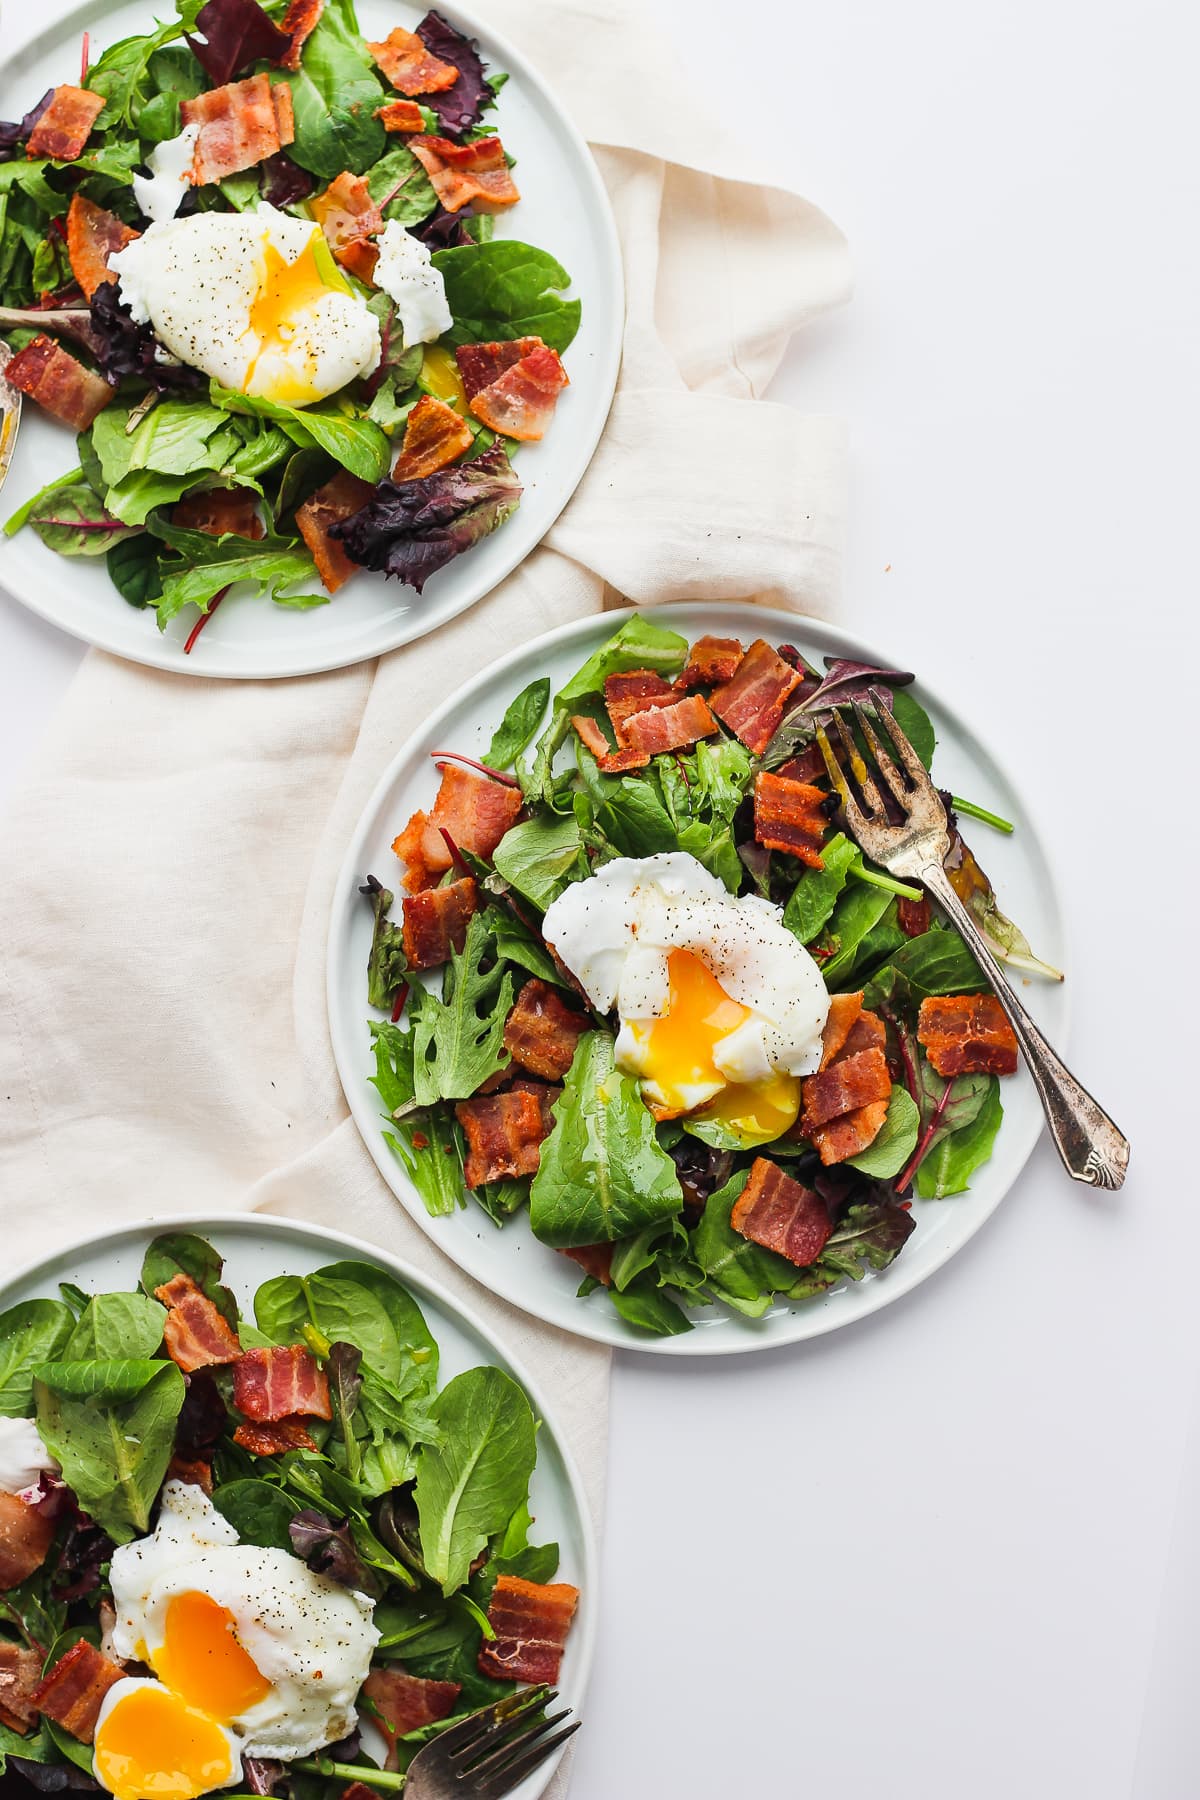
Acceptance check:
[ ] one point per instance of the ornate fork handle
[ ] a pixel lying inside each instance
(1090, 1145)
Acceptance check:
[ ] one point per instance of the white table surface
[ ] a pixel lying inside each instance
(926, 1557)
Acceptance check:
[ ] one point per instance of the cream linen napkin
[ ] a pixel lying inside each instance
(168, 864)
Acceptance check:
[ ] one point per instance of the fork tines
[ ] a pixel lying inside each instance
(902, 782)
(493, 1751)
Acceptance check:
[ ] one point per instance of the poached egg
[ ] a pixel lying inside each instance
(721, 1007)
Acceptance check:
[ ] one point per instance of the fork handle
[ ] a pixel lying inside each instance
(1090, 1145)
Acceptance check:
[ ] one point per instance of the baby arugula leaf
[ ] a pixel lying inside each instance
(32, 1332)
(471, 1483)
(602, 1175)
(114, 1456)
(458, 1041)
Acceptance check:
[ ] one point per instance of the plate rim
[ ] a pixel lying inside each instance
(801, 1327)
(285, 1228)
(160, 653)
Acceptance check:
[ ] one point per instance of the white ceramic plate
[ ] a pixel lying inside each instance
(510, 1260)
(255, 1248)
(563, 209)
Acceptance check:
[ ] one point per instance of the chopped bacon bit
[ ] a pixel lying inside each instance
(400, 115)
(274, 1439)
(195, 1471)
(52, 377)
(751, 703)
(967, 1034)
(65, 125)
(474, 810)
(545, 1093)
(402, 1703)
(672, 727)
(360, 258)
(280, 1382)
(73, 1691)
(482, 364)
(789, 816)
(409, 66)
(782, 1214)
(434, 435)
(849, 1082)
(850, 1134)
(475, 173)
(710, 660)
(844, 1011)
(638, 684)
(358, 1790)
(410, 846)
(618, 761)
(339, 499)
(93, 235)
(521, 403)
(220, 510)
(808, 766)
(25, 1538)
(20, 1672)
(913, 917)
(435, 922)
(594, 1259)
(299, 21)
(531, 1620)
(346, 211)
(589, 733)
(197, 1334)
(241, 124)
(504, 1135)
(543, 1032)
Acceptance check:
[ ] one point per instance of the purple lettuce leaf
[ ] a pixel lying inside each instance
(52, 1778)
(329, 1549)
(263, 1776)
(202, 1417)
(845, 681)
(12, 134)
(443, 230)
(458, 107)
(284, 182)
(236, 34)
(123, 348)
(412, 529)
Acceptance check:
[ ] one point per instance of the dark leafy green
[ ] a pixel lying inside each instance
(506, 289)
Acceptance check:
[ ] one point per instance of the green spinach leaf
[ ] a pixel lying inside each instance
(506, 289)
(181, 1252)
(519, 725)
(32, 1332)
(113, 1326)
(469, 1485)
(115, 1456)
(335, 94)
(540, 857)
(897, 1139)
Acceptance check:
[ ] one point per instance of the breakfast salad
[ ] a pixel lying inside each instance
(274, 1553)
(249, 261)
(642, 987)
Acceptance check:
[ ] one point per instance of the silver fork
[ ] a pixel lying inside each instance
(1090, 1145)
(491, 1752)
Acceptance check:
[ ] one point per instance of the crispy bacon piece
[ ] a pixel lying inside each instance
(220, 510)
(197, 1334)
(241, 124)
(482, 364)
(868, 1032)
(402, 1703)
(275, 1438)
(20, 1672)
(194, 1470)
(588, 732)
(400, 115)
(542, 1031)
(710, 660)
(789, 816)
(781, 1214)
(409, 66)
(751, 702)
(435, 922)
(346, 212)
(339, 499)
(618, 761)
(462, 174)
(521, 403)
(531, 1621)
(358, 1790)
(967, 1034)
(594, 1259)
(360, 257)
(504, 1135)
(299, 21)
(544, 1092)
(280, 1382)
(638, 690)
(73, 1691)
(913, 917)
(669, 727)
(844, 1011)
(65, 125)
(808, 766)
(26, 1535)
(52, 377)
(851, 1133)
(849, 1082)
(93, 235)
(472, 810)
(434, 436)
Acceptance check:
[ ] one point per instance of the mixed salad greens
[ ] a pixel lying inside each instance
(159, 438)
(411, 1493)
(648, 1203)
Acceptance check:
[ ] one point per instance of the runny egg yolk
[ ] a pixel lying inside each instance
(285, 291)
(677, 1052)
(154, 1746)
(201, 1660)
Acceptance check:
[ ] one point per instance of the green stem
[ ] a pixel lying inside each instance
(980, 812)
(874, 878)
(391, 1781)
